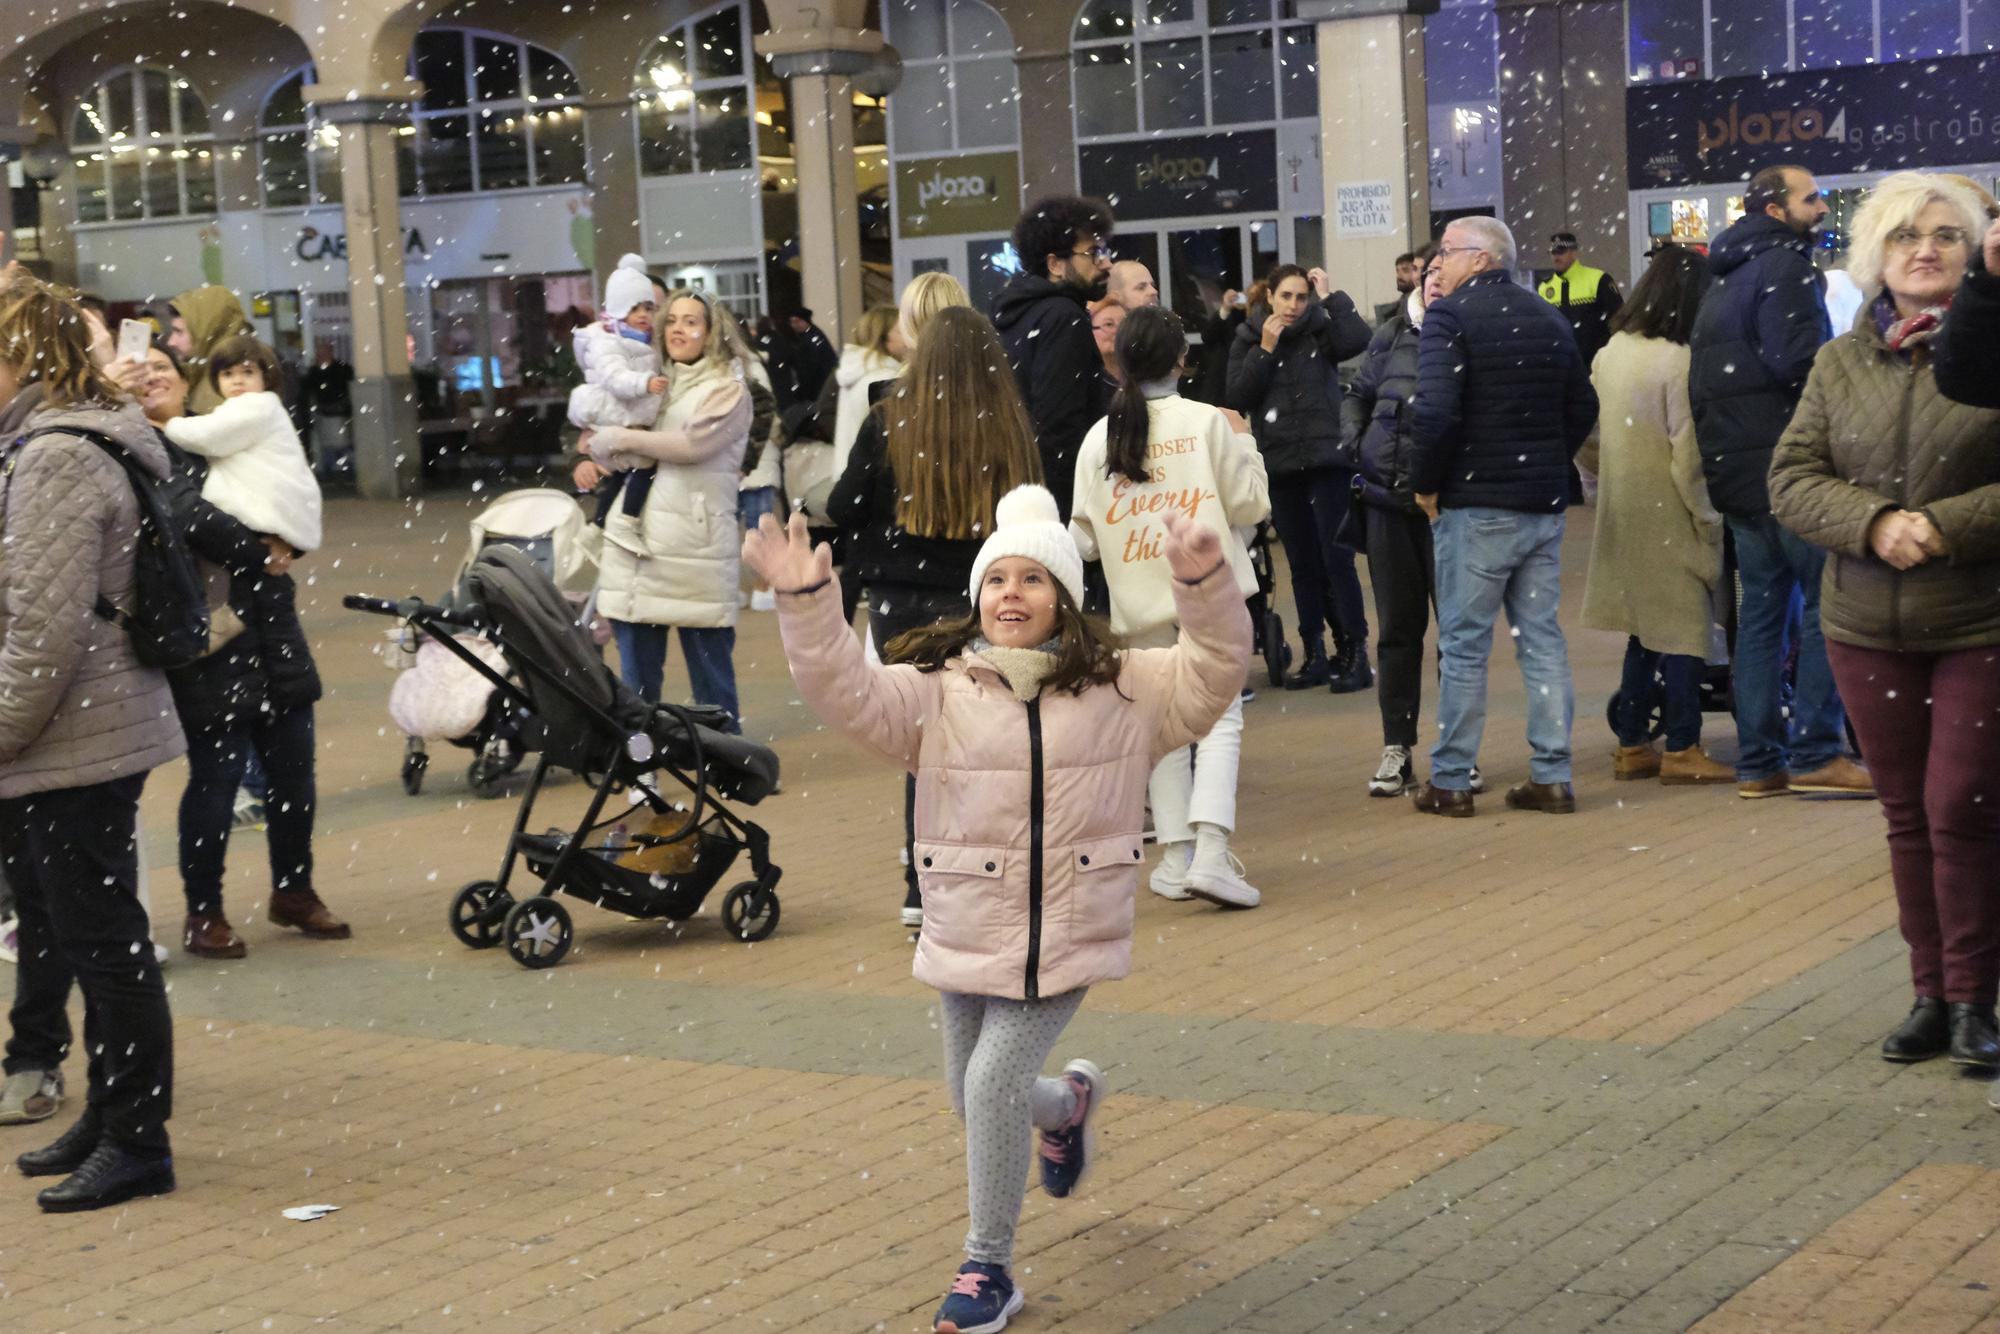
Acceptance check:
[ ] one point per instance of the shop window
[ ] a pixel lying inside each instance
(1665, 38)
(141, 148)
(1202, 265)
(1917, 29)
(503, 151)
(1462, 55)
(694, 94)
(1750, 37)
(1831, 33)
(959, 89)
(1982, 26)
(1199, 63)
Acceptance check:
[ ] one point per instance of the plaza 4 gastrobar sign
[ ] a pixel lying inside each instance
(1928, 113)
(1184, 176)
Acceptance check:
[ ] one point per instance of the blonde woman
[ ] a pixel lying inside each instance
(1899, 483)
(671, 549)
(926, 295)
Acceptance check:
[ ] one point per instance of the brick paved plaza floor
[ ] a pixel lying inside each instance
(1610, 1071)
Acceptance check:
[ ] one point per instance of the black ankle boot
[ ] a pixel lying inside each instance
(1351, 672)
(69, 1150)
(1926, 1033)
(1314, 671)
(111, 1175)
(1974, 1038)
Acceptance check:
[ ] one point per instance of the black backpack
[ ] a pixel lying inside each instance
(168, 624)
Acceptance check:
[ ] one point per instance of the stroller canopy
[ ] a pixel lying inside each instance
(544, 643)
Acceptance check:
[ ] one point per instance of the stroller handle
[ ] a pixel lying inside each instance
(410, 609)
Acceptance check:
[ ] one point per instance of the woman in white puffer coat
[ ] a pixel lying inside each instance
(671, 545)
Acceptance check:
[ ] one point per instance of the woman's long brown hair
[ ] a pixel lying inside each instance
(44, 338)
(1089, 655)
(959, 437)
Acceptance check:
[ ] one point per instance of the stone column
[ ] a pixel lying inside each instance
(614, 184)
(1374, 123)
(1048, 124)
(819, 45)
(1562, 128)
(388, 460)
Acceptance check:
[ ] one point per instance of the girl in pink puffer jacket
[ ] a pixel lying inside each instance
(1031, 737)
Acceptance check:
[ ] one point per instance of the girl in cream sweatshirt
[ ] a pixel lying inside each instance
(1159, 454)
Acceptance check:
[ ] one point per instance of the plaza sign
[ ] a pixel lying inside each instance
(1929, 113)
(952, 196)
(1184, 176)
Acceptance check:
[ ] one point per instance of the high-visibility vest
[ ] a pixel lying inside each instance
(1581, 282)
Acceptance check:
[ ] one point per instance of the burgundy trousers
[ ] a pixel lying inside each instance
(1929, 727)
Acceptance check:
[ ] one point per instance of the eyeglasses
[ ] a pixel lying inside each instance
(1445, 252)
(1100, 253)
(1909, 238)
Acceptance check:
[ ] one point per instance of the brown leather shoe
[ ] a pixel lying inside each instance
(1694, 765)
(1756, 789)
(301, 908)
(1843, 778)
(210, 936)
(1630, 762)
(1443, 801)
(1548, 798)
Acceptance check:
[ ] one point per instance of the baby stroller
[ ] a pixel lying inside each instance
(1267, 627)
(597, 727)
(437, 697)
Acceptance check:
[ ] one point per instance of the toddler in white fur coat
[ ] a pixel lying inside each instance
(257, 470)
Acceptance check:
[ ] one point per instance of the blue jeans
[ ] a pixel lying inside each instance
(1780, 573)
(642, 662)
(1489, 560)
(1671, 681)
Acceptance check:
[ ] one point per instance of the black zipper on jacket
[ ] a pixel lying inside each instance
(1032, 987)
(1902, 496)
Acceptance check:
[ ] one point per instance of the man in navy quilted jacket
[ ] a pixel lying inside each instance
(1503, 404)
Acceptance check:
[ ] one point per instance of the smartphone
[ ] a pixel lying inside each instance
(135, 338)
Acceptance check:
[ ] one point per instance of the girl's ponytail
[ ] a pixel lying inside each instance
(1151, 346)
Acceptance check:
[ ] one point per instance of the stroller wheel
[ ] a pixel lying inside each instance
(477, 912)
(537, 932)
(1277, 650)
(487, 774)
(1656, 723)
(750, 911)
(414, 764)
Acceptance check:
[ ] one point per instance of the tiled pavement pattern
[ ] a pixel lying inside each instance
(1612, 1071)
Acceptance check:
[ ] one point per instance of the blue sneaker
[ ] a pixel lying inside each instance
(982, 1297)
(1066, 1153)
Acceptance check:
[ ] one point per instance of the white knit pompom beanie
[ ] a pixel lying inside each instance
(627, 287)
(1027, 523)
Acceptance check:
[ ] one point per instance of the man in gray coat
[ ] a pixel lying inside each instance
(82, 722)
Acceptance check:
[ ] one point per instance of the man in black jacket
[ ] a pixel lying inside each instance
(1754, 340)
(1968, 347)
(1503, 404)
(1042, 319)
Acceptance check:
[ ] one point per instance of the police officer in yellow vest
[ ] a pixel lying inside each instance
(1585, 295)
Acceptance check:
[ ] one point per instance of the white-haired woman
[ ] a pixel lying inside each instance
(671, 547)
(1902, 487)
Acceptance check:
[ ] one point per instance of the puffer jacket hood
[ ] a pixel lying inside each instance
(858, 364)
(1028, 815)
(1023, 298)
(1749, 237)
(76, 706)
(1873, 432)
(1291, 397)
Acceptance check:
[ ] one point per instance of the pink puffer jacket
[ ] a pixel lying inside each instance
(1028, 815)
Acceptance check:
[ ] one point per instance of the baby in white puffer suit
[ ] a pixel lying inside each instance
(622, 379)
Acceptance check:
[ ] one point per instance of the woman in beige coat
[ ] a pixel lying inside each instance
(1658, 549)
(670, 551)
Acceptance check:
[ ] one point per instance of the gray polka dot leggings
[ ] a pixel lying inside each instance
(994, 1050)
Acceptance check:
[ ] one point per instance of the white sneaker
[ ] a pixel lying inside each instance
(1170, 878)
(10, 940)
(1222, 884)
(1477, 782)
(1395, 775)
(763, 599)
